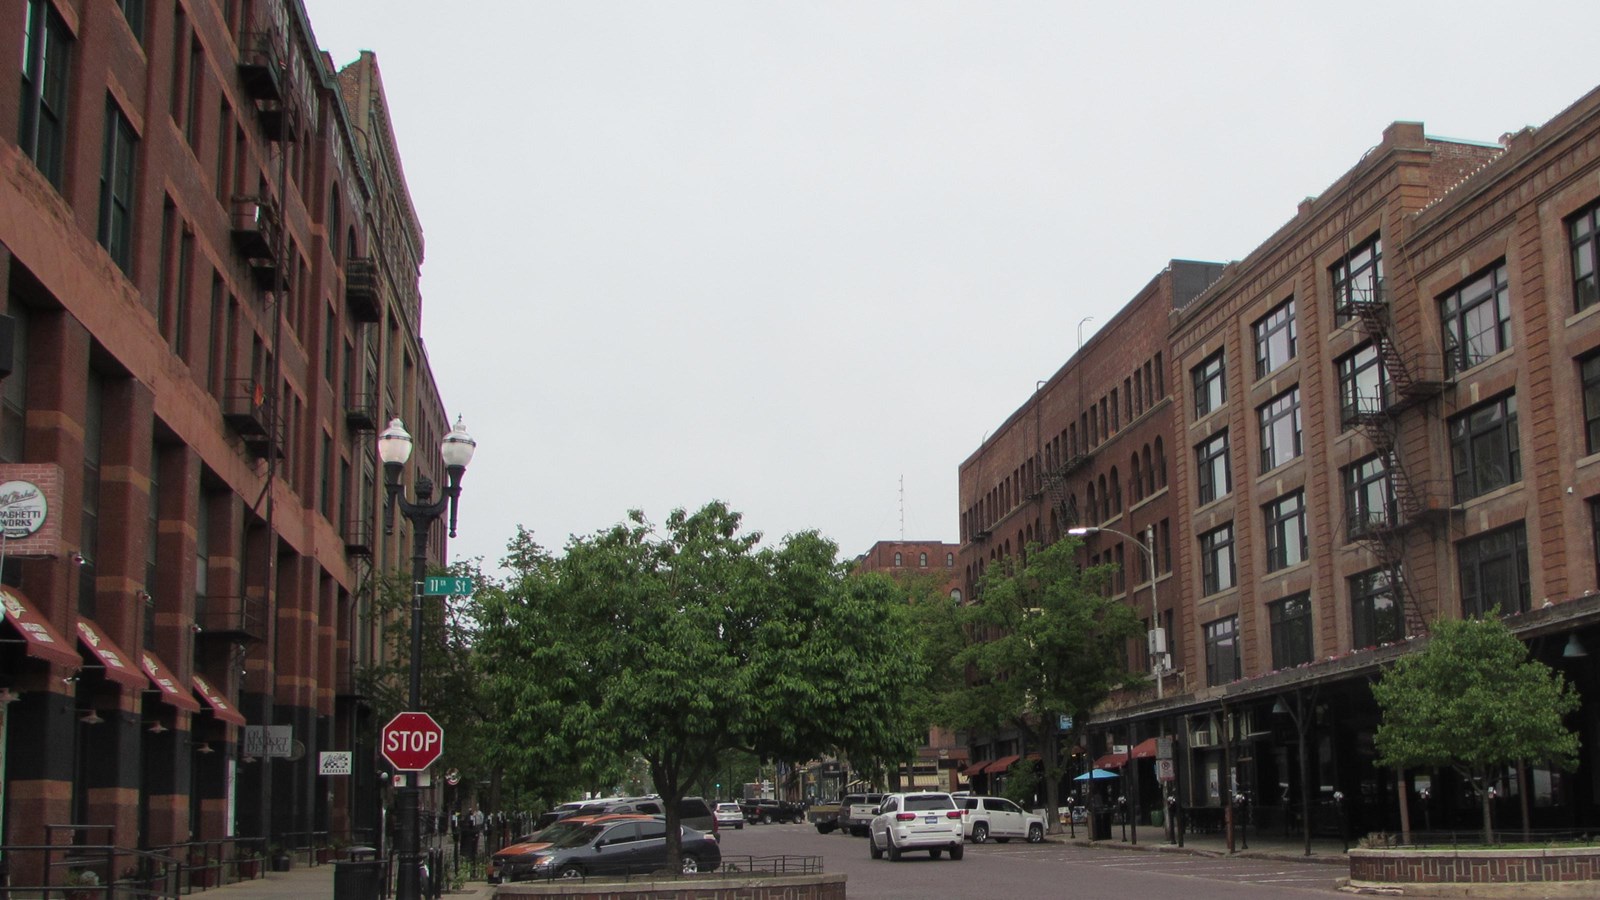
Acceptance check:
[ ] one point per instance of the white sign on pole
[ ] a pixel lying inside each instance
(334, 762)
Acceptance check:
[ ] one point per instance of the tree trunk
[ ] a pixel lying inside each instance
(1522, 795)
(1405, 807)
(1488, 808)
(1052, 787)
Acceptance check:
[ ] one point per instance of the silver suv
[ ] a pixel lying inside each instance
(920, 821)
(983, 818)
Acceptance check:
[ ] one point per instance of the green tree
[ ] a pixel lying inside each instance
(1472, 700)
(1042, 641)
(681, 645)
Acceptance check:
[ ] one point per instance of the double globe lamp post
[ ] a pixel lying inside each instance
(394, 448)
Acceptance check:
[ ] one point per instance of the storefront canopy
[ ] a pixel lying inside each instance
(119, 666)
(39, 639)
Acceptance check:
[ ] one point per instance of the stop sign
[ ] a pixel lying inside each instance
(411, 741)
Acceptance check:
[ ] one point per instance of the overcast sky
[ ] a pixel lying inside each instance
(788, 254)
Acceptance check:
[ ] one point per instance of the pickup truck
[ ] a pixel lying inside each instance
(825, 815)
(856, 812)
(768, 811)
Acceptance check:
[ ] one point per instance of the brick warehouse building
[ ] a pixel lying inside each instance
(1372, 417)
(210, 262)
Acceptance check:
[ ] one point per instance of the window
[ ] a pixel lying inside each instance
(1584, 229)
(1363, 385)
(89, 531)
(897, 559)
(1216, 559)
(116, 187)
(1484, 452)
(1594, 531)
(1210, 387)
(1358, 278)
(1494, 572)
(1368, 497)
(1589, 372)
(1291, 631)
(1280, 429)
(46, 51)
(1275, 338)
(1375, 613)
(949, 560)
(922, 560)
(1211, 464)
(1476, 319)
(1222, 651)
(1286, 531)
(133, 11)
(14, 390)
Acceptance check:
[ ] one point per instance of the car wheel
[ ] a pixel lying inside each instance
(957, 851)
(1035, 833)
(690, 864)
(766, 818)
(872, 847)
(570, 870)
(934, 854)
(894, 852)
(980, 833)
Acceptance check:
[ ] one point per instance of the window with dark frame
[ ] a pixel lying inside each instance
(116, 187)
(1363, 385)
(46, 63)
(1369, 499)
(1280, 429)
(1376, 615)
(1494, 572)
(1594, 534)
(1589, 374)
(1476, 320)
(1583, 231)
(1275, 338)
(1212, 468)
(1485, 452)
(133, 11)
(1210, 385)
(1216, 560)
(1222, 651)
(1286, 531)
(1291, 631)
(1358, 278)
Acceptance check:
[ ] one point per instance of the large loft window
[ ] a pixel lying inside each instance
(1358, 278)
(46, 52)
(1280, 429)
(1369, 500)
(1363, 384)
(116, 187)
(1286, 531)
(1222, 651)
(1484, 449)
(1494, 572)
(1583, 231)
(1291, 631)
(1476, 320)
(1216, 560)
(1375, 611)
(1210, 385)
(1589, 373)
(1211, 466)
(133, 11)
(1275, 338)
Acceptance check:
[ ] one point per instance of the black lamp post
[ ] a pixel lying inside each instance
(394, 448)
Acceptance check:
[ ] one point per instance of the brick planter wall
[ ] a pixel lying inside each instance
(1474, 866)
(788, 887)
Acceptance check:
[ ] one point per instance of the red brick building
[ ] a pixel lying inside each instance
(210, 264)
(1368, 422)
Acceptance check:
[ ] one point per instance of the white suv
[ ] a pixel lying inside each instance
(730, 814)
(920, 821)
(996, 817)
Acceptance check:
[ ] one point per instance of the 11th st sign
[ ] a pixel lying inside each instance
(411, 742)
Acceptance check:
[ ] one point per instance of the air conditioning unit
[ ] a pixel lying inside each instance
(1202, 737)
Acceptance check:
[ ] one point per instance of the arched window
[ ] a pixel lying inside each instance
(350, 244)
(1135, 483)
(949, 560)
(1116, 493)
(1161, 464)
(922, 560)
(897, 559)
(1149, 472)
(956, 595)
(335, 226)
(1090, 508)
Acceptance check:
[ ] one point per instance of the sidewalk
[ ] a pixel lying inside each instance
(1249, 844)
(309, 883)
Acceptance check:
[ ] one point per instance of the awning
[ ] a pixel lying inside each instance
(1111, 761)
(220, 707)
(1145, 749)
(1002, 764)
(977, 768)
(38, 637)
(119, 666)
(166, 682)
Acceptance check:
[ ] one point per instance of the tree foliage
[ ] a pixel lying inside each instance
(1471, 699)
(1041, 641)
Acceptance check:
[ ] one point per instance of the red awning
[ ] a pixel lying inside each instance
(1002, 764)
(1145, 749)
(220, 706)
(977, 768)
(166, 682)
(1111, 761)
(40, 639)
(119, 666)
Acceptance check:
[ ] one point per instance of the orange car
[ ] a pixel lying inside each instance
(515, 861)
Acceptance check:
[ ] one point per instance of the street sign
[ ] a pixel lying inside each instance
(412, 741)
(452, 778)
(1165, 770)
(334, 762)
(441, 585)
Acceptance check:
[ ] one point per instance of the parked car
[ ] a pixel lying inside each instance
(625, 847)
(693, 812)
(768, 811)
(856, 812)
(729, 814)
(983, 818)
(516, 861)
(825, 815)
(922, 821)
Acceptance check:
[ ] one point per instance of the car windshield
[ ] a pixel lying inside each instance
(727, 807)
(578, 837)
(929, 801)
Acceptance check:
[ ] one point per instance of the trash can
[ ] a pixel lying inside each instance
(357, 879)
(1099, 825)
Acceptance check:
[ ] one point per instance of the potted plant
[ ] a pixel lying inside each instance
(202, 871)
(281, 861)
(341, 847)
(82, 884)
(249, 862)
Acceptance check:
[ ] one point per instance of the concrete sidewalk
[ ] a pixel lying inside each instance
(1249, 843)
(309, 883)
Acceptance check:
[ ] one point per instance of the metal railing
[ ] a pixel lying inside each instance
(1497, 837)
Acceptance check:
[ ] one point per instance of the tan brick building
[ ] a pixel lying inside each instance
(210, 263)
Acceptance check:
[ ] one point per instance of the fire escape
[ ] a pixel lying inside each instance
(1412, 505)
(1061, 500)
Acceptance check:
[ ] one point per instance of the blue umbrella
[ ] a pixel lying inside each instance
(1095, 775)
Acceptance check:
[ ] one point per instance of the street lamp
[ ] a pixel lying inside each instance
(394, 448)
(1156, 640)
